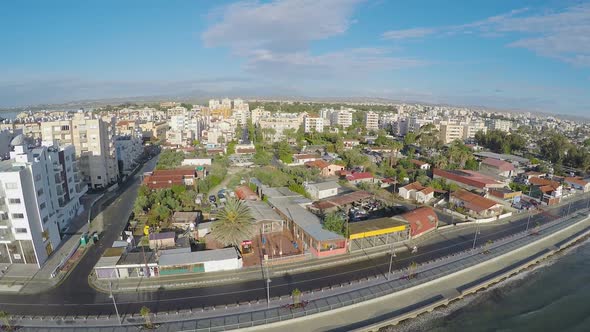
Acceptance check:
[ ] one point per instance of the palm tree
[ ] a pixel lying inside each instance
(5, 318)
(234, 225)
(145, 313)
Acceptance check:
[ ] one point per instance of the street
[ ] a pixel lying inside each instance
(75, 297)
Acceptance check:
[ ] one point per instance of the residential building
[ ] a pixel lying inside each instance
(341, 118)
(420, 164)
(360, 177)
(578, 183)
(161, 178)
(313, 124)
(468, 179)
(302, 158)
(323, 189)
(416, 191)
(450, 132)
(129, 149)
(372, 121)
(476, 205)
(497, 167)
(326, 169)
(421, 220)
(40, 191)
(93, 141)
(498, 124)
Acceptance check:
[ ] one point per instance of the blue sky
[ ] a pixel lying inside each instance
(530, 55)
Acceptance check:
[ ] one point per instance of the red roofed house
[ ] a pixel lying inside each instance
(420, 164)
(497, 167)
(421, 220)
(578, 183)
(416, 191)
(356, 178)
(476, 205)
(548, 191)
(160, 179)
(325, 168)
(468, 179)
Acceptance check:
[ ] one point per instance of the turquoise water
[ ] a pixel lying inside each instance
(554, 297)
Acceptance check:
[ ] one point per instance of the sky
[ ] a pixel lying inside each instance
(517, 55)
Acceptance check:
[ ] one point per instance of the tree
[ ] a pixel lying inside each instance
(146, 314)
(284, 152)
(261, 157)
(234, 225)
(5, 318)
(428, 137)
(296, 294)
(471, 164)
(409, 139)
(335, 222)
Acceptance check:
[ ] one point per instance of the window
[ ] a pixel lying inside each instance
(37, 177)
(42, 206)
(18, 216)
(45, 219)
(99, 177)
(11, 185)
(65, 127)
(40, 192)
(67, 158)
(14, 201)
(20, 230)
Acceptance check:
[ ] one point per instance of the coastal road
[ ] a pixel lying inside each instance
(75, 297)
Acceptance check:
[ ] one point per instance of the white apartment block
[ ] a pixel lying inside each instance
(259, 113)
(177, 110)
(371, 121)
(129, 149)
(214, 104)
(241, 116)
(180, 137)
(40, 190)
(92, 138)
(471, 128)
(311, 124)
(341, 118)
(226, 103)
(498, 124)
(279, 122)
(450, 132)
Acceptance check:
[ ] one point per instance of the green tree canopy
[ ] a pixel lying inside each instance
(234, 225)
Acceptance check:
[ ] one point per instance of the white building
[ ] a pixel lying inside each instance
(341, 118)
(371, 121)
(311, 124)
(40, 190)
(129, 149)
(323, 189)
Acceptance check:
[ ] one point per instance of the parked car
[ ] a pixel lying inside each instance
(212, 199)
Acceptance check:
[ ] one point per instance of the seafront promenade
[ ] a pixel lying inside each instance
(360, 304)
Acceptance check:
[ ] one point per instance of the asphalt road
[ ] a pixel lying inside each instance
(75, 297)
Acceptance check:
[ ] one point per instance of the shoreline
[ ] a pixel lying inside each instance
(455, 306)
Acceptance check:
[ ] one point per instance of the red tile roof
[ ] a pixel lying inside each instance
(317, 164)
(421, 220)
(245, 193)
(414, 186)
(499, 164)
(544, 182)
(474, 202)
(576, 180)
(427, 190)
(359, 176)
(470, 178)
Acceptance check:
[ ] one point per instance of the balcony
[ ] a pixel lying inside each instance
(6, 236)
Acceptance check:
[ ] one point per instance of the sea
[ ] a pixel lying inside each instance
(552, 296)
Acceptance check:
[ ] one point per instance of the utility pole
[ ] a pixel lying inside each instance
(568, 208)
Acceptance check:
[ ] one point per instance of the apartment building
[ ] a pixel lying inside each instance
(259, 113)
(311, 124)
(498, 124)
(280, 122)
(129, 149)
(341, 118)
(371, 121)
(450, 132)
(40, 190)
(471, 128)
(92, 138)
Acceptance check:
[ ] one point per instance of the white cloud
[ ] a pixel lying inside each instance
(408, 33)
(563, 34)
(275, 39)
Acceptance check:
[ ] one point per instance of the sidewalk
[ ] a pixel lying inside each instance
(27, 278)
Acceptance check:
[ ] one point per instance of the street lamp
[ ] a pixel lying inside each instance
(268, 281)
(391, 259)
(528, 221)
(112, 296)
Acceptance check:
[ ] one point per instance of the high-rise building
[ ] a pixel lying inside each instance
(450, 131)
(93, 141)
(371, 121)
(40, 190)
(311, 124)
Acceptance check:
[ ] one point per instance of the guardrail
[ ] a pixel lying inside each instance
(335, 296)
